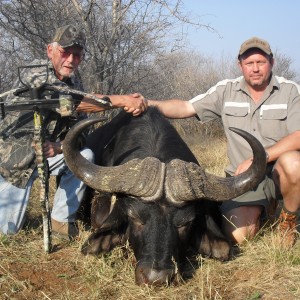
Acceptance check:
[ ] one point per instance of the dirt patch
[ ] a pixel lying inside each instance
(44, 275)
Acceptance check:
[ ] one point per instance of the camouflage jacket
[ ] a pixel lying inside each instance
(17, 156)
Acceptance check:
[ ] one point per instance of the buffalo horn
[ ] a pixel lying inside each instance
(142, 178)
(188, 181)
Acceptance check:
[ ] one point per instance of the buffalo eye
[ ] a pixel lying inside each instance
(184, 223)
(135, 218)
(182, 229)
(184, 218)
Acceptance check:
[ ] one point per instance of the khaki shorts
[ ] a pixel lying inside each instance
(262, 195)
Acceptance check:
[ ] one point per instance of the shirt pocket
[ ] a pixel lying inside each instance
(273, 121)
(235, 115)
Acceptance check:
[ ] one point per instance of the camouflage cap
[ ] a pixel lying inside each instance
(256, 42)
(68, 36)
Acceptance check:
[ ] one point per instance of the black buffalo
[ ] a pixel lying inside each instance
(153, 193)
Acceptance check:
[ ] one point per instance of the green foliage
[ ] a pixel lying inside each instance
(5, 240)
(255, 295)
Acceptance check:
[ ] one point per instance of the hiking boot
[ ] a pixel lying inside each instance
(287, 223)
(66, 231)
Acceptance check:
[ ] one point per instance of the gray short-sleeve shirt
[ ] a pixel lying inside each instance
(276, 116)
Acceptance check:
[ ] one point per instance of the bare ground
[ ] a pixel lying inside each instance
(262, 270)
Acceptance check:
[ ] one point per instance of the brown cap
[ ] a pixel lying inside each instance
(68, 36)
(256, 42)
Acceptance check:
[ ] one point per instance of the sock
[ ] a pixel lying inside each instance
(290, 212)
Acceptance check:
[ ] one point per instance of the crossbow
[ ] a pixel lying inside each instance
(65, 105)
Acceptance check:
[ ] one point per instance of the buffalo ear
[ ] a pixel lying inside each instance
(100, 210)
(106, 213)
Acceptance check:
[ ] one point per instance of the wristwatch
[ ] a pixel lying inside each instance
(267, 156)
(61, 147)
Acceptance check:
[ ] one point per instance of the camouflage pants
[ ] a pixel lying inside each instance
(69, 194)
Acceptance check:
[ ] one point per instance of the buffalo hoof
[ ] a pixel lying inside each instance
(215, 248)
(101, 242)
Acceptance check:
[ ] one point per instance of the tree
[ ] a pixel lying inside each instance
(282, 66)
(124, 36)
(132, 45)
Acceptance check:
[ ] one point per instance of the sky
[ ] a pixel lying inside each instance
(237, 20)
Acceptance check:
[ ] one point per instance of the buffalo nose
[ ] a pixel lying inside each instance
(148, 275)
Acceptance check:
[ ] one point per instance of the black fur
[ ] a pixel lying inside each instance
(158, 233)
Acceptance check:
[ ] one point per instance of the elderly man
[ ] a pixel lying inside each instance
(17, 160)
(268, 107)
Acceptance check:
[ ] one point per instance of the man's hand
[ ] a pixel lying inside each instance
(242, 167)
(51, 149)
(135, 104)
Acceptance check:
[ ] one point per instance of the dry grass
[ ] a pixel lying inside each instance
(262, 271)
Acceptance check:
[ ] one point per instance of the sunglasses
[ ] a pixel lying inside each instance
(77, 54)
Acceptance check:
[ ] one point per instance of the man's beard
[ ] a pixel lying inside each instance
(67, 76)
